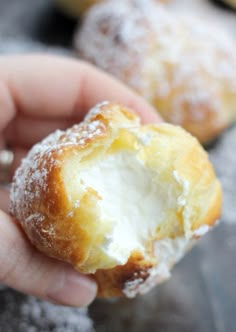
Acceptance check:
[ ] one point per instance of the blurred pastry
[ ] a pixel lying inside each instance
(78, 7)
(115, 199)
(231, 3)
(183, 66)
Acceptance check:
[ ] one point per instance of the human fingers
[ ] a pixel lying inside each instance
(25, 130)
(4, 199)
(25, 269)
(56, 87)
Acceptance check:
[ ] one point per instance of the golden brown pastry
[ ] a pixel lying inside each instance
(115, 199)
(184, 67)
(232, 3)
(79, 7)
(76, 7)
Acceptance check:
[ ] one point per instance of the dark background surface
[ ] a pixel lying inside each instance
(201, 296)
(36, 20)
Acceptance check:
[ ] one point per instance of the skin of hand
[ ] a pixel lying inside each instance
(39, 94)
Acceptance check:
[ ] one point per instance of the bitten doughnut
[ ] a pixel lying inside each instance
(115, 199)
(184, 67)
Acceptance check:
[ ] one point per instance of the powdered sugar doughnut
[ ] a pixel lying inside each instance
(184, 67)
(115, 199)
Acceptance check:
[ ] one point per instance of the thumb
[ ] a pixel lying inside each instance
(24, 268)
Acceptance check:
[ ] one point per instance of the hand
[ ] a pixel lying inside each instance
(39, 94)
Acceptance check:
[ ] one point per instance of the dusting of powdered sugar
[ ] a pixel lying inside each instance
(182, 202)
(30, 180)
(145, 138)
(158, 53)
(167, 252)
(143, 285)
(185, 188)
(106, 37)
(202, 230)
(207, 10)
(96, 110)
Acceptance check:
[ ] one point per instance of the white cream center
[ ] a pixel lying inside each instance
(130, 201)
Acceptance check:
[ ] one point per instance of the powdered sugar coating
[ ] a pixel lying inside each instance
(153, 277)
(38, 191)
(180, 64)
(202, 230)
(110, 38)
(167, 252)
(40, 161)
(54, 227)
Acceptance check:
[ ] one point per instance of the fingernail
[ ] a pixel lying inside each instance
(72, 288)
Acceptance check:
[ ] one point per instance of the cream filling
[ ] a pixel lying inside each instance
(131, 203)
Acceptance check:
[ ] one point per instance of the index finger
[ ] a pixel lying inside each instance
(57, 87)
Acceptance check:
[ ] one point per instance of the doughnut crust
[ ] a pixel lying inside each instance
(184, 67)
(115, 199)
